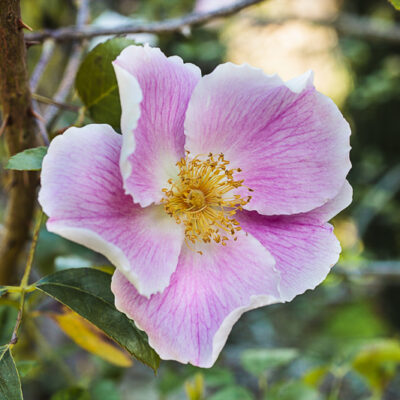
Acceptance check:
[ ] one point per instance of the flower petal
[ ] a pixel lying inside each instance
(83, 196)
(333, 207)
(304, 248)
(151, 149)
(291, 142)
(191, 320)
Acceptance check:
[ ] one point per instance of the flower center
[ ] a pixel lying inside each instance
(200, 199)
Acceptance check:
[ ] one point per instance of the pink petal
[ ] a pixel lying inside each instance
(304, 248)
(333, 207)
(191, 320)
(291, 142)
(151, 149)
(83, 196)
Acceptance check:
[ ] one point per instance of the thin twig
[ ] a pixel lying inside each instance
(346, 24)
(47, 52)
(170, 25)
(73, 63)
(25, 278)
(47, 100)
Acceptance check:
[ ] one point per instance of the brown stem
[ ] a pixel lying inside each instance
(19, 134)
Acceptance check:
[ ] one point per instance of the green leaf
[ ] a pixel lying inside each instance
(257, 361)
(377, 362)
(28, 368)
(10, 385)
(73, 393)
(8, 316)
(3, 290)
(28, 160)
(104, 390)
(294, 390)
(232, 393)
(396, 4)
(87, 292)
(96, 82)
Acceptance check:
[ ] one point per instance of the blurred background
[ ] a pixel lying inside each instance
(340, 341)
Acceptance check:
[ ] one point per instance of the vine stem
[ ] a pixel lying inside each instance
(23, 287)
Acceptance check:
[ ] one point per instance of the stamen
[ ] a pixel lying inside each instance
(199, 199)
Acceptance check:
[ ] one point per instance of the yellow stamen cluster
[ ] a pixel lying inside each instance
(199, 198)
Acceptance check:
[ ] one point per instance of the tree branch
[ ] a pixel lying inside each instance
(346, 24)
(72, 67)
(171, 25)
(19, 134)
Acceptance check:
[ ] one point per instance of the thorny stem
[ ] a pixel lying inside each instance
(23, 287)
(19, 128)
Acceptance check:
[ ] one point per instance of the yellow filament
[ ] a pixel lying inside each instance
(199, 198)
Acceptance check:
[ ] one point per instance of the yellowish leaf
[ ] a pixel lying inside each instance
(90, 338)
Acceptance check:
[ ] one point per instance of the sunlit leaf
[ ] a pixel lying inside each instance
(195, 387)
(377, 362)
(315, 376)
(396, 4)
(28, 160)
(87, 292)
(10, 385)
(256, 361)
(90, 338)
(96, 82)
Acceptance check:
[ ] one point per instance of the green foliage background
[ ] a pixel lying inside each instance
(340, 341)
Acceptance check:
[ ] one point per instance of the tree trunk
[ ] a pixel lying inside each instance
(18, 126)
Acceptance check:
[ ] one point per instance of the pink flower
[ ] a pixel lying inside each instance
(168, 201)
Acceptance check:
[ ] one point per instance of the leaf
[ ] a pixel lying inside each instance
(87, 292)
(104, 390)
(90, 338)
(73, 393)
(96, 82)
(232, 393)
(28, 160)
(294, 390)
(195, 387)
(10, 385)
(257, 361)
(3, 290)
(377, 362)
(396, 4)
(28, 368)
(315, 376)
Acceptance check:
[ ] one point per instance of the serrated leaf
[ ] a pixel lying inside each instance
(10, 384)
(90, 338)
(256, 361)
(28, 160)
(96, 82)
(87, 292)
(396, 4)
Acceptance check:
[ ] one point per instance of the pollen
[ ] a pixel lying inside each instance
(201, 199)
